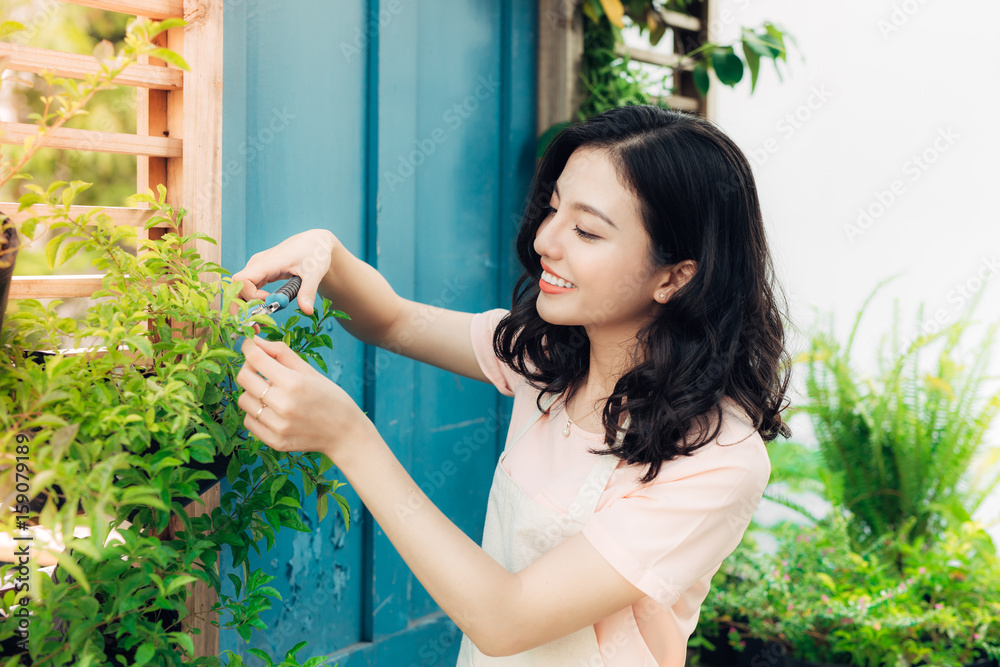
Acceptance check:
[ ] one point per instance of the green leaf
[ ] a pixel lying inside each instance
(727, 65)
(753, 62)
(296, 524)
(827, 581)
(233, 469)
(766, 46)
(322, 505)
(166, 24)
(180, 582)
(290, 655)
(276, 484)
(237, 582)
(268, 590)
(345, 510)
(171, 57)
(52, 249)
(70, 565)
(184, 640)
(700, 75)
(322, 364)
(10, 27)
(778, 37)
(144, 655)
(262, 655)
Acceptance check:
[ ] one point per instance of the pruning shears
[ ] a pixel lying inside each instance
(278, 299)
(274, 301)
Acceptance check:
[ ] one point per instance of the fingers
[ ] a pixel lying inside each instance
(254, 385)
(306, 297)
(250, 280)
(283, 354)
(259, 429)
(266, 413)
(263, 363)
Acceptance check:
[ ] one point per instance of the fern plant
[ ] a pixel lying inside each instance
(898, 444)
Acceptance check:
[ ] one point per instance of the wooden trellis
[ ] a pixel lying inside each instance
(560, 51)
(178, 143)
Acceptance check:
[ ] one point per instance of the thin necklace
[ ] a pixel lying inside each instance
(569, 421)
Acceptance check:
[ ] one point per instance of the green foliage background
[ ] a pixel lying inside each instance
(72, 29)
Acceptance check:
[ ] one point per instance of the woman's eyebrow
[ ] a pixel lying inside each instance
(587, 208)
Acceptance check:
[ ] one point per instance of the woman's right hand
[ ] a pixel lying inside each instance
(306, 255)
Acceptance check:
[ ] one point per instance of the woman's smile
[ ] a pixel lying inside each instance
(553, 283)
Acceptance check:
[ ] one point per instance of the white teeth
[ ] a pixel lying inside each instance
(559, 282)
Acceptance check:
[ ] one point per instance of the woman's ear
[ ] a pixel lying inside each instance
(675, 278)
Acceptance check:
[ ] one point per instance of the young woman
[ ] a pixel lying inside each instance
(645, 352)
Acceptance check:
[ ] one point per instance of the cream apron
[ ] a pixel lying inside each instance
(518, 530)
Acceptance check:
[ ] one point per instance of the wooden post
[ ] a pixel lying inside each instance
(560, 55)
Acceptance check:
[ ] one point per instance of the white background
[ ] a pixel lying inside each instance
(881, 81)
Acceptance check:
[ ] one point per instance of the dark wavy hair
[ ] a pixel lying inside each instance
(721, 334)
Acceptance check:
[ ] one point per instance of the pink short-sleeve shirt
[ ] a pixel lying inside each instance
(667, 537)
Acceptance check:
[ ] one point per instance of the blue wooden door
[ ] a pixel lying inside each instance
(408, 130)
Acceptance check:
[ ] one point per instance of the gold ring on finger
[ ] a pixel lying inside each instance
(261, 399)
(257, 416)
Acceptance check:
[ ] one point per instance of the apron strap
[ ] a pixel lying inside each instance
(547, 403)
(597, 480)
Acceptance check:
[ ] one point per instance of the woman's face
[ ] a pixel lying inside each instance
(595, 241)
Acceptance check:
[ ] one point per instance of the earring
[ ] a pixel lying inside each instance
(663, 295)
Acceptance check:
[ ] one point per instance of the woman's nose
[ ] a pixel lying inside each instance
(546, 238)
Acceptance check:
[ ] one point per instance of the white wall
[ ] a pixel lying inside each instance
(890, 113)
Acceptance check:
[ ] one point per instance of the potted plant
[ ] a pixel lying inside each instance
(893, 453)
(119, 438)
(816, 601)
(9, 243)
(898, 444)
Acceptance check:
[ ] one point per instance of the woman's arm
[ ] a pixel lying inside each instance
(379, 316)
(570, 587)
(566, 589)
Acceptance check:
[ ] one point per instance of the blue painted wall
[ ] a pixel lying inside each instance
(409, 131)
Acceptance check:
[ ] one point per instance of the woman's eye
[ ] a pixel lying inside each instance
(585, 235)
(549, 210)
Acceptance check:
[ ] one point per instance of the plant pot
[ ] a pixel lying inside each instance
(724, 655)
(9, 244)
(791, 661)
(756, 653)
(985, 661)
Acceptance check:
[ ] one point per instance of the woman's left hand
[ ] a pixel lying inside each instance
(303, 410)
